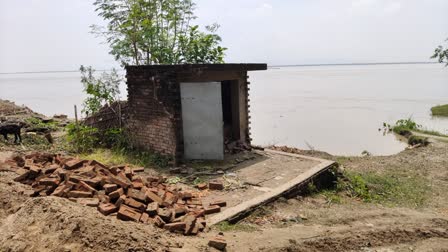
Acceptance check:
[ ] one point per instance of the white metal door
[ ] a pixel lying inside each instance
(202, 120)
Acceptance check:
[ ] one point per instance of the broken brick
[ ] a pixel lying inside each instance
(128, 214)
(108, 188)
(120, 200)
(136, 194)
(201, 186)
(215, 185)
(107, 208)
(152, 208)
(79, 194)
(116, 194)
(158, 222)
(87, 187)
(165, 214)
(23, 174)
(137, 185)
(177, 226)
(74, 164)
(135, 204)
(190, 222)
(144, 218)
(153, 197)
(49, 181)
(217, 243)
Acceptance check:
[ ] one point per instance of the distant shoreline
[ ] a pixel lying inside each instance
(269, 66)
(356, 64)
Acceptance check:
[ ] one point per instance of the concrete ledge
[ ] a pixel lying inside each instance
(234, 213)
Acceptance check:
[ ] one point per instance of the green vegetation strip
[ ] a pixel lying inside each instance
(441, 110)
(391, 188)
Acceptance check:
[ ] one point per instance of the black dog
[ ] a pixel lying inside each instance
(11, 128)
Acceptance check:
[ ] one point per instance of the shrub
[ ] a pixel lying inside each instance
(83, 138)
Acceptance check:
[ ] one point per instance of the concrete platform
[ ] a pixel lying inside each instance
(261, 180)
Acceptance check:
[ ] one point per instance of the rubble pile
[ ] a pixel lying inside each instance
(116, 190)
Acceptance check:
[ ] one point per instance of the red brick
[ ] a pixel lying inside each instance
(79, 194)
(144, 218)
(137, 185)
(59, 191)
(108, 188)
(152, 208)
(120, 200)
(212, 209)
(190, 222)
(87, 187)
(116, 194)
(201, 186)
(128, 214)
(23, 174)
(74, 164)
(218, 243)
(153, 197)
(135, 204)
(136, 194)
(158, 222)
(121, 181)
(215, 185)
(165, 214)
(49, 181)
(177, 226)
(107, 208)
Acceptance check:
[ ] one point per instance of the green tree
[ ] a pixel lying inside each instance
(156, 32)
(100, 90)
(441, 54)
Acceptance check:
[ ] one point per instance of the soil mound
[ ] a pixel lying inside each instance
(57, 224)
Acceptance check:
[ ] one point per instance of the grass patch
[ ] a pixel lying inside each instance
(405, 127)
(227, 227)
(391, 188)
(440, 110)
(135, 158)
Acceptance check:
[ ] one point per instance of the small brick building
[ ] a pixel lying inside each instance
(189, 111)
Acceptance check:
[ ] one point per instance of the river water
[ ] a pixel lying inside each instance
(337, 109)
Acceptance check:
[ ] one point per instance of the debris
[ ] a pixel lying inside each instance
(201, 186)
(215, 185)
(116, 191)
(218, 242)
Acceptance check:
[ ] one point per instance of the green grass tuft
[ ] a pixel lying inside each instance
(391, 188)
(227, 227)
(440, 110)
(135, 158)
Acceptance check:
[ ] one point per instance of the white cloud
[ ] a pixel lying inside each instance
(264, 9)
(392, 7)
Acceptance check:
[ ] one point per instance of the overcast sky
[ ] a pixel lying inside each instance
(39, 35)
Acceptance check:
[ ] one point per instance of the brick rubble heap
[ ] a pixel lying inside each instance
(116, 190)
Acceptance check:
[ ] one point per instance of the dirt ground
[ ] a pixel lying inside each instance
(302, 223)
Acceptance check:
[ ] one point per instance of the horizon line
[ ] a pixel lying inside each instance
(269, 66)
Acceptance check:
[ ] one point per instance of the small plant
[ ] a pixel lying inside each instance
(100, 90)
(83, 138)
(366, 153)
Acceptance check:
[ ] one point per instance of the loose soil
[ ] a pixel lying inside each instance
(302, 223)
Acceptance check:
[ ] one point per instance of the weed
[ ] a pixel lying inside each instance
(225, 226)
(404, 127)
(392, 188)
(132, 157)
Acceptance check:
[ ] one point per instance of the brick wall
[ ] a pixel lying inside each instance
(154, 111)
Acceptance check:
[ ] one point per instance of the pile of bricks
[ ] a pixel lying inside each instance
(116, 190)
